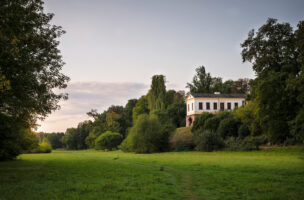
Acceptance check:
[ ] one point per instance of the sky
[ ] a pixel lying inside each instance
(112, 48)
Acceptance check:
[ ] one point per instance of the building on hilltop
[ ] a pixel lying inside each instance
(213, 103)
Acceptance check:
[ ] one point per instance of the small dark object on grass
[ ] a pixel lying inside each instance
(116, 157)
(161, 168)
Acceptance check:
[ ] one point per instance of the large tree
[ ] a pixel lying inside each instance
(201, 82)
(274, 55)
(30, 64)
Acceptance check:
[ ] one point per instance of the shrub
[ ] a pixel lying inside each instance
(214, 122)
(253, 143)
(182, 140)
(199, 122)
(208, 140)
(147, 136)
(229, 127)
(43, 147)
(108, 140)
(233, 144)
(243, 131)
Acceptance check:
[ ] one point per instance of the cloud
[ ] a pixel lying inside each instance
(84, 96)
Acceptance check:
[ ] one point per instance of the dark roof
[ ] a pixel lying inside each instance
(218, 95)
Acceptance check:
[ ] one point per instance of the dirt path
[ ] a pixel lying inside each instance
(184, 177)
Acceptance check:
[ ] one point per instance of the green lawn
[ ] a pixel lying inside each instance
(269, 174)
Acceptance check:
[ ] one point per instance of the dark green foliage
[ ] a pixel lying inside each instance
(15, 138)
(228, 127)
(275, 53)
(182, 140)
(243, 131)
(246, 144)
(30, 64)
(128, 112)
(208, 140)
(140, 108)
(214, 122)
(200, 121)
(108, 141)
(56, 140)
(146, 136)
(157, 93)
(249, 117)
(177, 114)
(203, 82)
(75, 138)
(253, 143)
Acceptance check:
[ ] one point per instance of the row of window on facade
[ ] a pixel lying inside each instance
(222, 106)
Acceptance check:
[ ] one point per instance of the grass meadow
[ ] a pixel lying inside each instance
(268, 174)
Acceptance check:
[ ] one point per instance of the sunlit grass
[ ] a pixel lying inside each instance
(269, 174)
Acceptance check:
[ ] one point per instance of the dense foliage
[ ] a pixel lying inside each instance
(30, 64)
(182, 140)
(276, 54)
(147, 135)
(203, 82)
(108, 141)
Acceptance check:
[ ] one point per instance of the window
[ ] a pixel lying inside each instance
(208, 106)
(188, 108)
(222, 106)
(200, 106)
(236, 105)
(243, 103)
(192, 106)
(229, 106)
(214, 106)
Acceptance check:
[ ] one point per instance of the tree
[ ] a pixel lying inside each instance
(146, 136)
(157, 93)
(201, 82)
(30, 62)
(297, 85)
(274, 55)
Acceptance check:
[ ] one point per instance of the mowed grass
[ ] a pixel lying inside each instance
(268, 174)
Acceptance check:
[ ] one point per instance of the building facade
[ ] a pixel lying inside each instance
(213, 103)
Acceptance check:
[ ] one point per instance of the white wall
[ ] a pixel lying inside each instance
(218, 101)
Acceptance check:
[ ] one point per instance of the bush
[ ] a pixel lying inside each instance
(253, 143)
(199, 122)
(43, 147)
(214, 122)
(108, 141)
(243, 131)
(208, 141)
(147, 136)
(229, 127)
(182, 140)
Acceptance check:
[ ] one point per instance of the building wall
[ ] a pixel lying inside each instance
(193, 105)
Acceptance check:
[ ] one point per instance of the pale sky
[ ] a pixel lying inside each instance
(112, 48)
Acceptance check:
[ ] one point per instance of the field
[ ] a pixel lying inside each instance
(268, 174)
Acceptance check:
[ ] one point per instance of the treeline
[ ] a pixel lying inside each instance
(169, 105)
(145, 124)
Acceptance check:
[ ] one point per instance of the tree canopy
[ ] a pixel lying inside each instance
(30, 64)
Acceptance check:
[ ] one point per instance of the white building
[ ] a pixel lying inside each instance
(213, 103)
